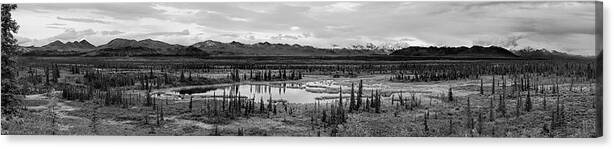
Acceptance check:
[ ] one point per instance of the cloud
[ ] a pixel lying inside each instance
(175, 11)
(212, 12)
(250, 37)
(114, 32)
(507, 42)
(230, 35)
(294, 28)
(56, 27)
(285, 37)
(184, 32)
(57, 24)
(306, 35)
(24, 41)
(342, 28)
(567, 26)
(83, 20)
(340, 7)
(407, 39)
(124, 11)
(69, 34)
(238, 19)
(72, 34)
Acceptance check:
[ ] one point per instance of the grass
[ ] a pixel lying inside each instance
(34, 102)
(446, 119)
(118, 120)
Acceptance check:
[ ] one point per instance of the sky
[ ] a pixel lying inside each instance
(561, 26)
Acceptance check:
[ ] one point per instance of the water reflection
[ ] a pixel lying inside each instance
(291, 92)
(309, 92)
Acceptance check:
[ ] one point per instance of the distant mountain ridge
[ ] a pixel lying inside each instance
(546, 54)
(58, 45)
(149, 47)
(266, 48)
(474, 51)
(58, 48)
(148, 43)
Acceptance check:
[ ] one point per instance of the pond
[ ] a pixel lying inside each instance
(309, 92)
(290, 92)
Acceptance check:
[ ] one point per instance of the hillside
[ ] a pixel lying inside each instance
(546, 54)
(147, 47)
(82, 45)
(265, 48)
(58, 48)
(474, 51)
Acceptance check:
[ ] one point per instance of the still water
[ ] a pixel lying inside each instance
(290, 92)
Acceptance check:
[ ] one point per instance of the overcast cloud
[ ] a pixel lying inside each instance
(564, 26)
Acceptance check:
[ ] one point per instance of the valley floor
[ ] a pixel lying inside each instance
(49, 114)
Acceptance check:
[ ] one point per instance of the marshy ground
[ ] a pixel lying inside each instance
(567, 112)
(75, 118)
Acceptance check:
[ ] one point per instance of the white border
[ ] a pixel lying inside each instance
(173, 142)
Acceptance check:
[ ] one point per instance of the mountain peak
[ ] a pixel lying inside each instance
(474, 51)
(208, 43)
(77, 45)
(85, 44)
(151, 41)
(55, 43)
(236, 43)
(126, 47)
(83, 41)
(121, 40)
(58, 45)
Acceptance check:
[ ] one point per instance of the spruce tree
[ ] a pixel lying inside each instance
(529, 104)
(56, 73)
(481, 87)
(491, 109)
(261, 105)
(493, 85)
(426, 124)
(502, 105)
(469, 117)
(47, 75)
(182, 77)
(518, 106)
(270, 106)
(544, 103)
(359, 96)
(352, 102)
(378, 103)
(480, 122)
(190, 106)
(340, 110)
(450, 98)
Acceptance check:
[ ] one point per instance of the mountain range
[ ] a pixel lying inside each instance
(266, 48)
(546, 54)
(149, 47)
(474, 51)
(58, 48)
(81, 45)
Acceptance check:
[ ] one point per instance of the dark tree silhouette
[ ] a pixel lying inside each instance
(359, 96)
(9, 72)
